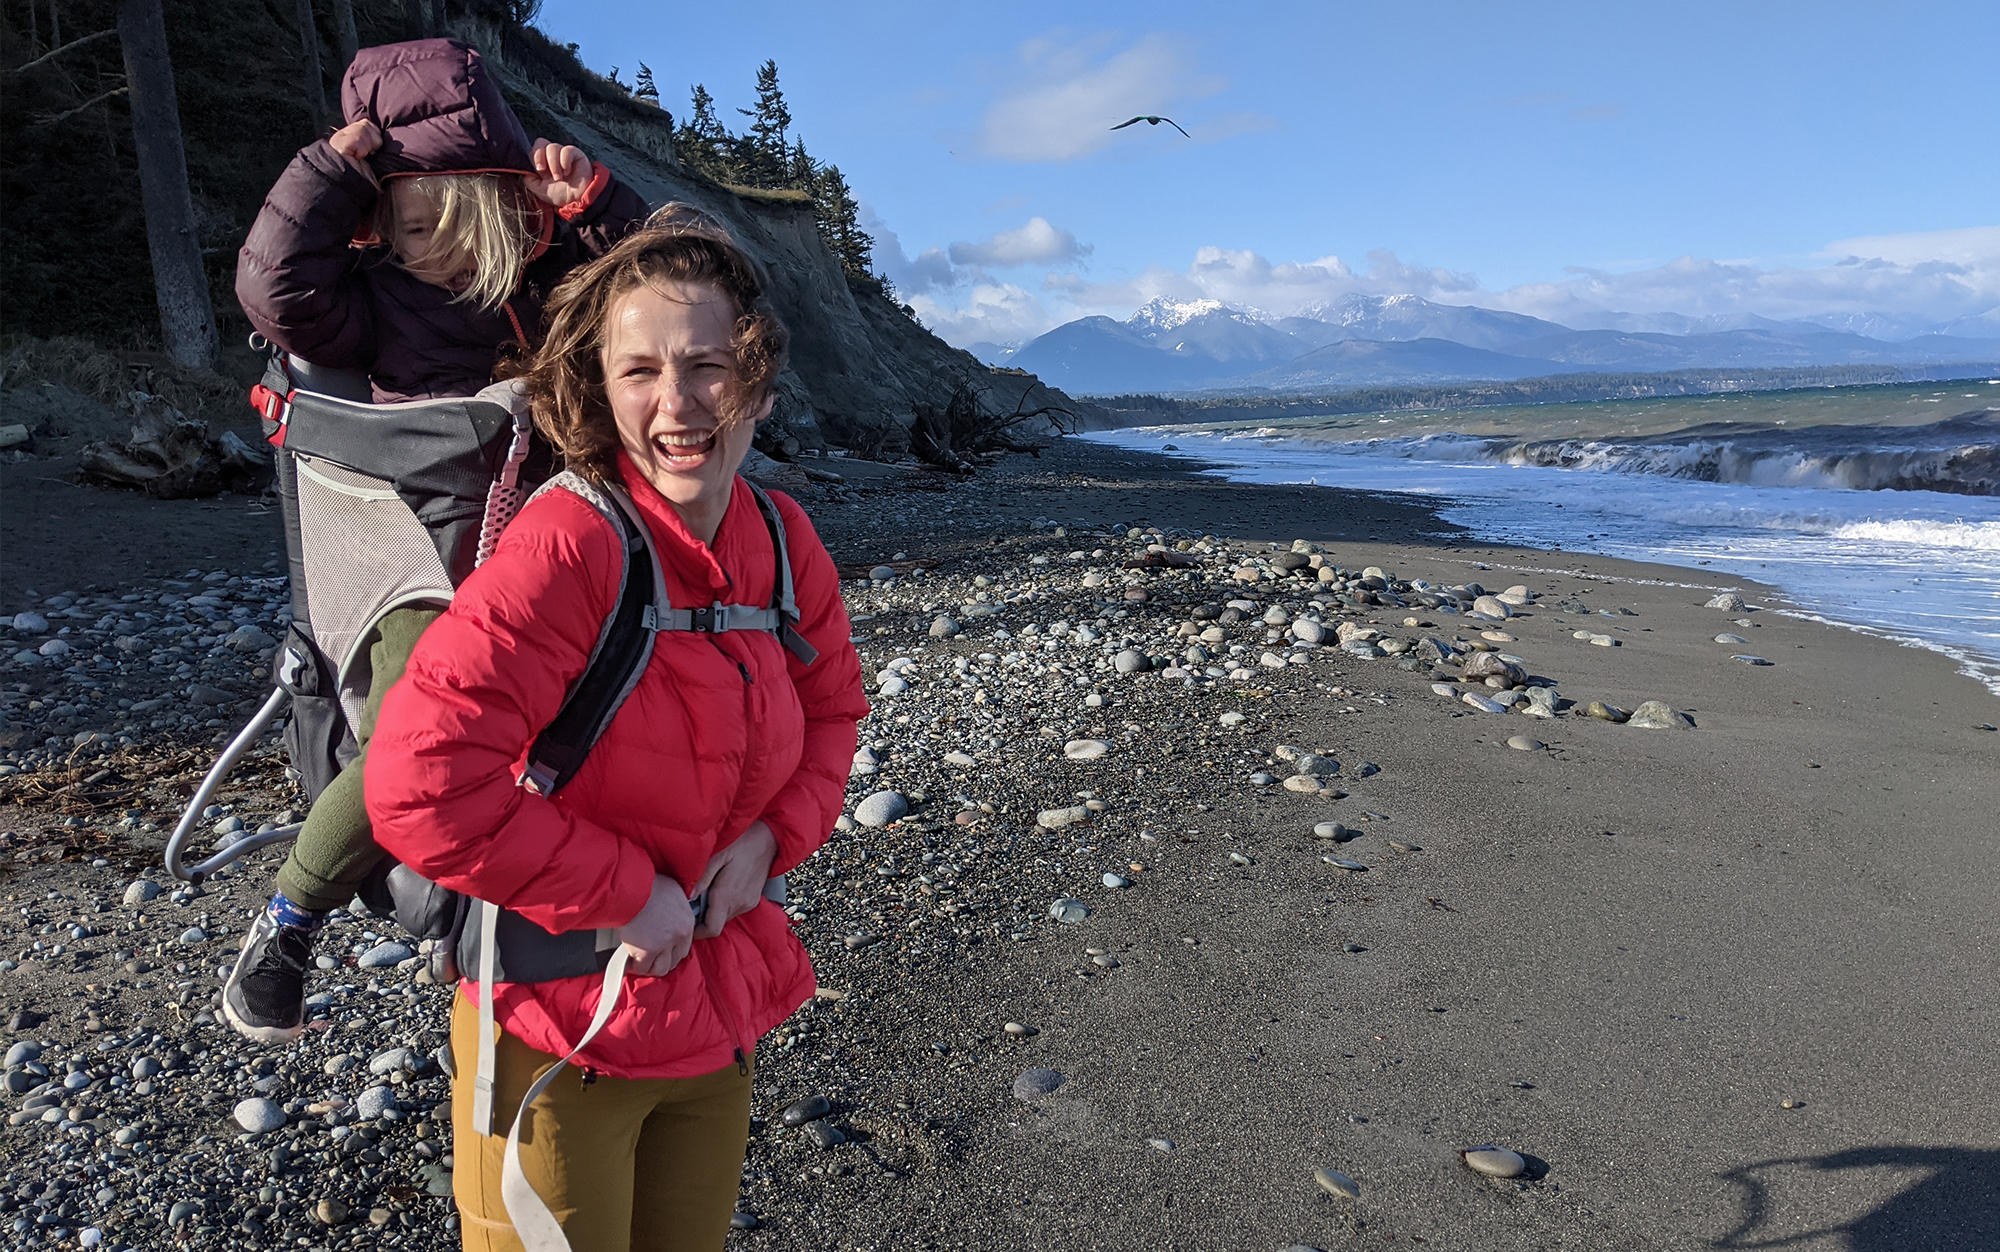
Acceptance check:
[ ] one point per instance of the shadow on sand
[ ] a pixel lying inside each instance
(1953, 1205)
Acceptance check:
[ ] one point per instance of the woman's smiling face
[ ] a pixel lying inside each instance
(667, 368)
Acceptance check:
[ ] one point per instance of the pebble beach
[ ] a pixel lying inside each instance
(1225, 866)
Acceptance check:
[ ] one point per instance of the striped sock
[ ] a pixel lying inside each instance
(299, 917)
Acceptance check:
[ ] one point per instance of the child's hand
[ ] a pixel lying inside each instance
(356, 141)
(561, 173)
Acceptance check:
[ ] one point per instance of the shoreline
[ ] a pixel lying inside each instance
(1620, 954)
(1949, 624)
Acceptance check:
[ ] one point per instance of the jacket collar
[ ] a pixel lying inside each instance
(688, 558)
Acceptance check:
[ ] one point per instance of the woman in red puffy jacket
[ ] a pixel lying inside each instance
(726, 765)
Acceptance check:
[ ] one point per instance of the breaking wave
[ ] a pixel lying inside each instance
(1959, 456)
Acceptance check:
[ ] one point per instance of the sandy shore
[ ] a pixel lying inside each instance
(1622, 955)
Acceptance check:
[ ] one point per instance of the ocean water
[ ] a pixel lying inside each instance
(1876, 508)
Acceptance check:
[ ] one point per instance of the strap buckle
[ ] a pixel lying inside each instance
(538, 778)
(712, 620)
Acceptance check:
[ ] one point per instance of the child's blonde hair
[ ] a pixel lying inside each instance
(485, 227)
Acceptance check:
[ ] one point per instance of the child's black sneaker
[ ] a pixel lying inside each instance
(265, 997)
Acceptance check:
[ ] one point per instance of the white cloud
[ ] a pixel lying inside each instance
(1974, 246)
(1072, 92)
(1893, 285)
(1912, 281)
(1034, 243)
(993, 312)
(967, 264)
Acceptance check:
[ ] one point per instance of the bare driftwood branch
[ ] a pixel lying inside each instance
(56, 52)
(70, 113)
(946, 435)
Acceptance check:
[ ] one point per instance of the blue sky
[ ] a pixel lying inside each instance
(1786, 159)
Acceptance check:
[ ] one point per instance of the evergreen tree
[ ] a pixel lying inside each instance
(702, 121)
(764, 151)
(644, 89)
(839, 224)
(704, 144)
(802, 172)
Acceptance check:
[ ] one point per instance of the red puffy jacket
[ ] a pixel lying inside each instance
(722, 730)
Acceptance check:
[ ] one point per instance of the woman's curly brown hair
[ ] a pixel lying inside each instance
(565, 378)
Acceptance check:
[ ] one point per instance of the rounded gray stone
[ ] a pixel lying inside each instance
(1056, 819)
(1130, 661)
(1069, 911)
(880, 808)
(373, 1102)
(810, 1109)
(258, 1115)
(1333, 1182)
(385, 955)
(1034, 1084)
(1659, 715)
(141, 891)
(392, 1060)
(1495, 1162)
(1523, 743)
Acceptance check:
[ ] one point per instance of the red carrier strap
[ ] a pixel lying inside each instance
(273, 408)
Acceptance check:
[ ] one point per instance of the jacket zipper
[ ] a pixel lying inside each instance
(519, 334)
(723, 1011)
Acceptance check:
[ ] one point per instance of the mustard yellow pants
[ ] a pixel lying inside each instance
(626, 1165)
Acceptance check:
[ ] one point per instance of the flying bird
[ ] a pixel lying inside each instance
(1152, 121)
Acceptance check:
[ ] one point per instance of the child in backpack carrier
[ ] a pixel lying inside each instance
(415, 245)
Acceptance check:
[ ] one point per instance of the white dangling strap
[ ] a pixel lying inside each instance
(534, 1224)
(482, 1074)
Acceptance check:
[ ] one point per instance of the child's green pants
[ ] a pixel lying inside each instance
(335, 850)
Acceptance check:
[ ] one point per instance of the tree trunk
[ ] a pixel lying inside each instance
(343, 30)
(187, 319)
(309, 47)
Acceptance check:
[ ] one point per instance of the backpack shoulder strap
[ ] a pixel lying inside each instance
(783, 602)
(624, 645)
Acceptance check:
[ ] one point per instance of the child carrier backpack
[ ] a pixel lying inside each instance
(390, 506)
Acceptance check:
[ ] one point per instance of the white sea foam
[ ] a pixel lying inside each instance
(1983, 536)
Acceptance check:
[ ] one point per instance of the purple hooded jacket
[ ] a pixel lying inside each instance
(307, 287)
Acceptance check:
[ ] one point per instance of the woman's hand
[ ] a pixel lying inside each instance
(662, 932)
(356, 141)
(561, 174)
(735, 878)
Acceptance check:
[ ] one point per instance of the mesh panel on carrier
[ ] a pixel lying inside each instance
(365, 555)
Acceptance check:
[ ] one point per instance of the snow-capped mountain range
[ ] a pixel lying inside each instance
(1361, 340)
